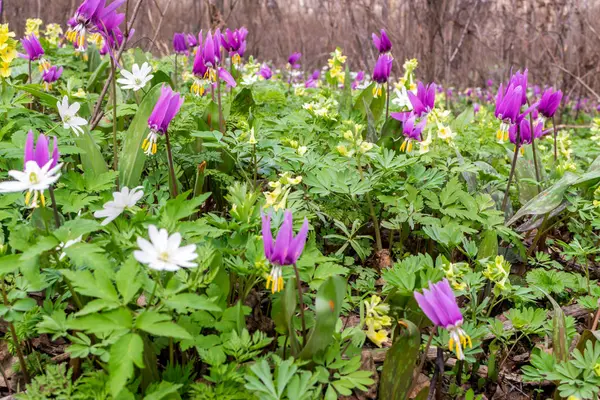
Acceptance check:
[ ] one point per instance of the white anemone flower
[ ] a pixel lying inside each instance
(68, 114)
(121, 200)
(401, 100)
(34, 180)
(137, 78)
(63, 246)
(163, 253)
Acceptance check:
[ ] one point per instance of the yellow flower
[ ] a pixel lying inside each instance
(32, 26)
(8, 54)
(445, 133)
(348, 135)
(252, 139)
(53, 33)
(377, 337)
(365, 146)
(5, 69)
(597, 369)
(302, 150)
(343, 150)
(294, 143)
(80, 93)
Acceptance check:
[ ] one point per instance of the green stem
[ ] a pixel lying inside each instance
(171, 167)
(54, 209)
(512, 169)
(15, 338)
(301, 302)
(535, 164)
(422, 361)
(175, 74)
(255, 164)
(555, 139)
(114, 131)
(74, 294)
(371, 211)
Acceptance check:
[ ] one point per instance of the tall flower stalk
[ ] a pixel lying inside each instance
(166, 108)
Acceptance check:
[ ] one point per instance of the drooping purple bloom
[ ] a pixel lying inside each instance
(476, 108)
(93, 16)
(284, 250)
(235, 43)
(439, 305)
(360, 76)
(383, 44)
(424, 101)
(179, 43)
(39, 152)
(226, 77)
(383, 68)
(51, 75)
(211, 53)
(525, 126)
(265, 72)
(166, 108)
(192, 41)
(520, 79)
(33, 48)
(206, 65)
(293, 60)
(508, 103)
(490, 82)
(411, 129)
(313, 81)
(550, 102)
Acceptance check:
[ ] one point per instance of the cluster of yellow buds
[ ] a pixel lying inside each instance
(301, 150)
(8, 50)
(323, 107)
(497, 271)
(53, 33)
(280, 190)
(353, 142)
(336, 71)
(376, 318)
(563, 141)
(455, 272)
(408, 79)
(32, 26)
(596, 201)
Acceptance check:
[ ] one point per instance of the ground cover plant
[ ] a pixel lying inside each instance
(209, 225)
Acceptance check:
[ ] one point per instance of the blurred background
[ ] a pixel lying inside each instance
(457, 42)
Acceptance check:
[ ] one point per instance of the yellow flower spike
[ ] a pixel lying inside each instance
(43, 199)
(27, 198)
(154, 147)
(409, 146)
(236, 59)
(403, 145)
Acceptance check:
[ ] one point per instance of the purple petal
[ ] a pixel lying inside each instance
(427, 308)
(41, 151)
(267, 235)
(226, 76)
(283, 240)
(28, 148)
(298, 243)
(55, 153)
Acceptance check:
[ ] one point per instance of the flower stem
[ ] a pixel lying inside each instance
(371, 212)
(255, 164)
(512, 169)
(30, 80)
(387, 100)
(114, 107)
(555, 135)
(422, 361)
(301, 302)
(56, 216)
(221, 122)
(15, 338)
(535, 164)
(175, 74)
(172, 181)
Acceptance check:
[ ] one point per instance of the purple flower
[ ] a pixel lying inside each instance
(381, 73)
(191, 40)
(265, 72)
(205, 67)
(293, 60)
(439, 305)
(520, 79)
(476, 108)
(51, 75)
(383, 44)
(550, 102)
(424, 101)
(360, 76)
(166, 108)
(508, 103)
(33, 48)
(179, 43)
(235, 43)
(525, 126)
(412, 128)
(490, 82)
(93, 16)
(40, 153)
(284, 250)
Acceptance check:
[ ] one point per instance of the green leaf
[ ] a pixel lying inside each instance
(488, 247)
(91, 158)
(97, 75)
(128, 282)
(242, 102)
(547, 200)
(327, 307)
(9, 264)
(180, 207)
(43, 244)
(399, 364)
(98, 285)
(117, 320)
(132, 156)
(124, 354)
(74, 228)
(160, 325)
(45, 98)
(184, 301)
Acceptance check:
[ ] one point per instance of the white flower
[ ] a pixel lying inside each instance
(137, 78)
(33, 180)
(121, 200)
(249, 80)
(401, 100)
(63, 246)
(302, 150)
(445, 133)
(68, 114)
(163, 253)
